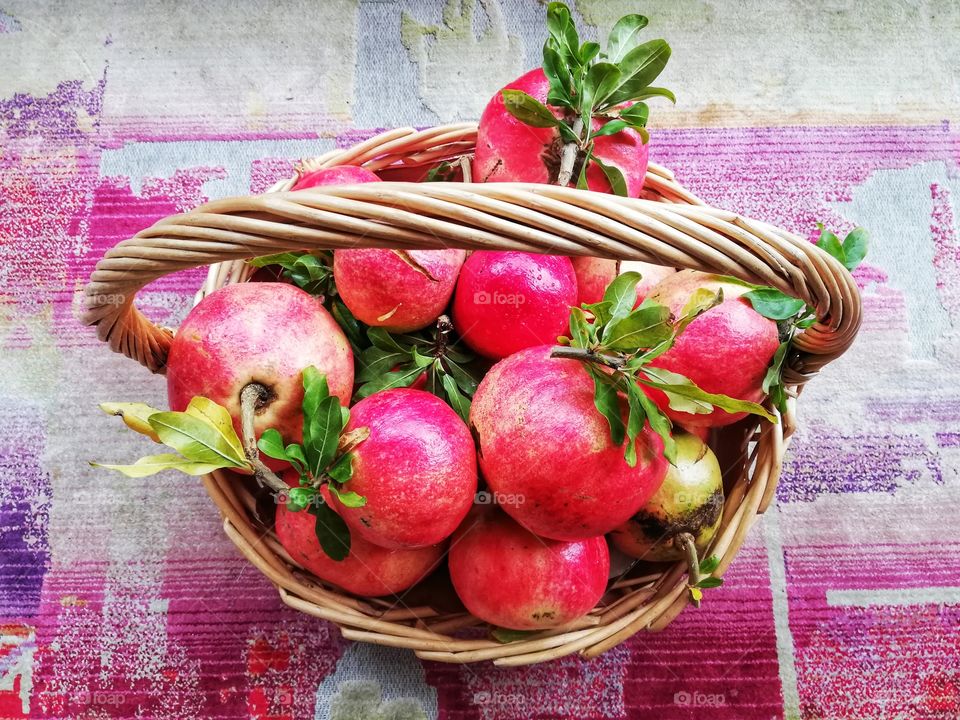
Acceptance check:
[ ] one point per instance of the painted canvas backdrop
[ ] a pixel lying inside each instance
(121, 598)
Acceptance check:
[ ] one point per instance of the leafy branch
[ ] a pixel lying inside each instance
(793, 314)
(619, 345)
(587, 84)
(205, 440)
(393, 361)
(324, 457)
(700, 575)
(309, 271)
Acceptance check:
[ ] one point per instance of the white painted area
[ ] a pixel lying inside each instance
(776, 564)
(895, 596)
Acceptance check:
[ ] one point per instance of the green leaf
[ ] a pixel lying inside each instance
(773, 304)
(602, 79)
(134, 415)
(349, 324)
(643, 328)
(219, 417)
(296, 457)
(421, 361)
(582, 183)
(349, 498)
(579, 328)
(403, 377)
(640, 67)
(299, 498)
(286, 259)
(588, 51)
(683, 392)
(600, 311)
(505, 635)
(152, 464)
(465, 381)
(331, 531)
(607, 402)
(831, 244)
(855, 248)
(635, 420)
(443, 172)
(618, 183)
(321, 435)
(623, 36)
(655, 92)
(776, 366)
(341, 470)
(528, 109)
(636, 114)
(622, 294)
(611, 127)
(385, 341)
(457, 401)
(710, 564)
(271, 444)
(197, 439)
(315, 390)
(710, 582)
(558, 74)
(563, 32)
(375, 361)
(659, 422)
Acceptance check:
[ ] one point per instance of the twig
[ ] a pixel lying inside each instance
(689, 547)
(444, 328)
(252, 394)
(576, 353)
(568, 157)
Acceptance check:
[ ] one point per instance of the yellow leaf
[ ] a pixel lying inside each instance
(219, 416)
(153, 464)
(135, 416)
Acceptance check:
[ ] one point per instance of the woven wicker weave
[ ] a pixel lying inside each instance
(671, 228)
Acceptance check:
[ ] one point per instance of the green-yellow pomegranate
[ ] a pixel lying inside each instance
(686, 509)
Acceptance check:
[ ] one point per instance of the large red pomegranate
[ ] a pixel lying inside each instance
(509, 150)
(725, 351)
(594, 274)
(546, 447)
(397, 290)
(511, 578)
(508, 301)
(417, 470)
(368, 570)
(258, 332)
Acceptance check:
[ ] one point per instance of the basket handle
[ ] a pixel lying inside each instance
(527, 217)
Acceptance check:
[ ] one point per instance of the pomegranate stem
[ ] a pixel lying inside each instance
(568, 157)
(585, 354)
(252, 394)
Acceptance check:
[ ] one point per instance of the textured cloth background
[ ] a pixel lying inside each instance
(121, 598)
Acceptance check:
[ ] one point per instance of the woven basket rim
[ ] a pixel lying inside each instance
(676, 228)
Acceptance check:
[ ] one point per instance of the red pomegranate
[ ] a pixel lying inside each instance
(725, 351)
(417, 470)
(508, 301)
(546, 448)
(368, 570)
(511, 578)
(509, 150)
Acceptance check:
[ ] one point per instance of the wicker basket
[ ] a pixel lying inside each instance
(671, 228)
